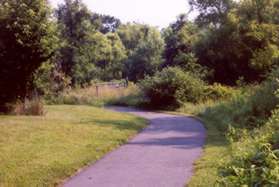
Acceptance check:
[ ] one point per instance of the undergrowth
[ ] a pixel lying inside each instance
(94, 95)
(242, 144)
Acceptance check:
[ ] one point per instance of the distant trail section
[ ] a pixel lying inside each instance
(162, 155)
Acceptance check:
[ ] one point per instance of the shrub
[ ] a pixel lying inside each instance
(250, 122)
(33, 107)
(172, 87)
(50, 81)
(218, 91)
(248, 109)
(260, 168)
(255, 161)
(264, 100)
(255, 153)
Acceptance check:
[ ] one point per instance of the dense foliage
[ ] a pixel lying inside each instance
(229, 56)
(173, 87)
(90, 50)
(144, 46)
(228, 41)
(240, 39)
(27, 39)
(255, 151)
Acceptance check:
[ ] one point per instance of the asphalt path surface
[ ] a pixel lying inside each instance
(162, 155)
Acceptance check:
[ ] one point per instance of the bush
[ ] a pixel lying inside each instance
(172, 87)
(50, 81)
(33, 107)
(260, 168)
(255, 159)
(248, 109)
(255, 151)
(218, 91)
(250, 122)
(265, 100)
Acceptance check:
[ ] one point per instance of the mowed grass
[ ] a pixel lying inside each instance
(43, 151)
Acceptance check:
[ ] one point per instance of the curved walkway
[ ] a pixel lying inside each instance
(162, 155)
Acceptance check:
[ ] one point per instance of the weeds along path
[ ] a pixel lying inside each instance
(161, 155)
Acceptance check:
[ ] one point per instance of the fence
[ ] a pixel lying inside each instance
(109, 86)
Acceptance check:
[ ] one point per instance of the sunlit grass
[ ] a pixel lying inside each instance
(95, 95)
(216, 150)
(218, 116)
(42, 151)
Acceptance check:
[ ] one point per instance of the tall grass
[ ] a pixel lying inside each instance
(241, 144)
(95, 95)
(29, 107)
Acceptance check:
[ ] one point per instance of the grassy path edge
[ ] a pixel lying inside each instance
(215, 148)
(147, 122)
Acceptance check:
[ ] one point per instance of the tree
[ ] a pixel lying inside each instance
(181, 38)
(92, 56)
(105, 23)
(244, 44)
(88, 53)
(144, 46)
(100, 57)
(180, 41)
(212, 12)
(261, 11)
(27, 39)
(131, 35)
(74, 24)
(116, 66)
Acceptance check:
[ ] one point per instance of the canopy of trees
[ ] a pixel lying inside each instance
(144, 46)
(237, 39)
(99, 47)
(228, 41)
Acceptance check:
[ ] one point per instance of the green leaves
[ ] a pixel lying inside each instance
(244, 44)
(254, 139)
(172, 87)
(87, 53)
(144, 46)
(259, 168)
(27, 40)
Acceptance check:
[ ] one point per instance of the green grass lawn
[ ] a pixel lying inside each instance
(43, 151)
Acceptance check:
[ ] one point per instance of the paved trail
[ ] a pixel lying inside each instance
(160, 156)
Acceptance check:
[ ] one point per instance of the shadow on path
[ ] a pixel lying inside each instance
(163, 154)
